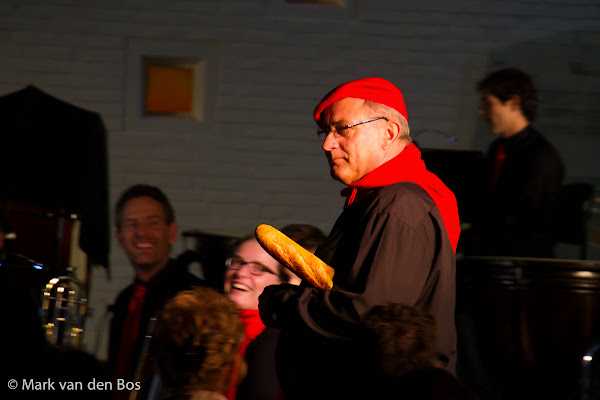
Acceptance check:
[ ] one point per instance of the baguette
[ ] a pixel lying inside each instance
(295, 257)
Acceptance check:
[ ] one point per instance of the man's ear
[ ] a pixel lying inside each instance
(392, 132)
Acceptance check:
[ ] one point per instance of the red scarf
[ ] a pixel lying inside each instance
(253, 326)
(409, 167)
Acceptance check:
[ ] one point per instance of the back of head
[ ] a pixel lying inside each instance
(308, 236)
(143, 190)
(196, 341)
(508, 83)
(402, 338)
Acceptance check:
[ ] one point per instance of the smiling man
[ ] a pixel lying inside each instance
(393, 243)
(146, 230)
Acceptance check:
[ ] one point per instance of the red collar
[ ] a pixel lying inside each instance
(409, 167)
(253, 326)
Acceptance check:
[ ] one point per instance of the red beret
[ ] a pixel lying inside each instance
(378, 90)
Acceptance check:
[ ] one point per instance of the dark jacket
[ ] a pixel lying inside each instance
(162, 287)
(518, 212)
(388, 247)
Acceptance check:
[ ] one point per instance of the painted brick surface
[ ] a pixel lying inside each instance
(258, 160)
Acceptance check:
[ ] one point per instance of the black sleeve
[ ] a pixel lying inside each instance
(393, 264)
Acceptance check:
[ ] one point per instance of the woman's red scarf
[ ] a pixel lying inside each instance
(409, 167)
(253, 326)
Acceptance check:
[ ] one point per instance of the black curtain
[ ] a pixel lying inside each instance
(53, 155)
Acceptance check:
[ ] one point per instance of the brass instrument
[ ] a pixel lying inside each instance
(64, 308)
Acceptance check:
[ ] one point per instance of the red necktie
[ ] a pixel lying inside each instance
(131, 330)
(498, 164)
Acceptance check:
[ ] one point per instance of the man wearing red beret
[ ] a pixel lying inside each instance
(394, 243)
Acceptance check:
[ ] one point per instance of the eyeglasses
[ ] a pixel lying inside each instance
(255, 268)
(341, 130)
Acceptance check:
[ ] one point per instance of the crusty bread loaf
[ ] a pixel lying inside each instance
(294, 257)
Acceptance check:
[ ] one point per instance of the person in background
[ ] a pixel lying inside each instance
(308, 236)
(196, 345)
(524, 172)
(395, 241)
(146, 230)
(249, 270)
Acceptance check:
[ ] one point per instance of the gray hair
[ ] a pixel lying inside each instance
(392, 115)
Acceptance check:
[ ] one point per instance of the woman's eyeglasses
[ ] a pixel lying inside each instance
(254, 267)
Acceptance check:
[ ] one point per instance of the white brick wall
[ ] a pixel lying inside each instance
(258, 160)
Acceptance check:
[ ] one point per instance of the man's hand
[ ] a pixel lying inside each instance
(278, 304)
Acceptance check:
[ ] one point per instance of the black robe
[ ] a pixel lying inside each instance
(388, 247)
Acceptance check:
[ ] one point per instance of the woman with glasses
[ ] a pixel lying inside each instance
(248, 271)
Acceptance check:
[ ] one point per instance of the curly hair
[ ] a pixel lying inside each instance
(196, 340)
(402, 336)
(510, 82)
